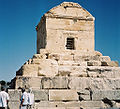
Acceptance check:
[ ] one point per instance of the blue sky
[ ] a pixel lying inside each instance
(18, 19)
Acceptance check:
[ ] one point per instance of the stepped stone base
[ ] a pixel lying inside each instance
(69, 81)
(70, 99)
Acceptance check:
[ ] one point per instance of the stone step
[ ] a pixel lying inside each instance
(69, 104)
(66, 105)
(63, 82)
(69, 95)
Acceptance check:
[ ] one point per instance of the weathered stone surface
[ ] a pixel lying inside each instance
(50, 70)
(81, 83)
(39, 56)
(105, 58)
(28, 82)
(93, 63)
(110, 63)
(73, 108)
(50, 104)
(14, 95)
(61, 95)
(14, 105)
(110, 94)
(41, 95)
(65, 57)
(50, 108)
(54, 83)
(66, 10)
(91, 104)
(30, 70)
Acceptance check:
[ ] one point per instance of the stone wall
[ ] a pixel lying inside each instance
(69, 92)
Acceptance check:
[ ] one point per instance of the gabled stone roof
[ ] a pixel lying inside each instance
(69, 10)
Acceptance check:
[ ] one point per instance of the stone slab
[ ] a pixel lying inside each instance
(54, 82)
(28, 82)
(63, 95)
(110, 94)
(41, 95)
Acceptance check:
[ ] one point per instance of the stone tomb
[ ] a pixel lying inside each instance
(66, 72)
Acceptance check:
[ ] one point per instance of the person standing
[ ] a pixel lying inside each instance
(4, 98)
(24, 99)
(30, 99)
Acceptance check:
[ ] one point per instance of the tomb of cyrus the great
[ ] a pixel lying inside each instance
(67, 72)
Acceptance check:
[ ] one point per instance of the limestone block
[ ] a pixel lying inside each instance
(54, 56)
(72, 63)
(54, 82)
(86, 104)
(83, 63)
(108, 72)
(72, 104)
(84, 95)
(66, 57)
(14, 95)
(22, 82)
(79, 83)
(79, 71)
(73, 108)
(65, 63)
(113, 64)
(50, 104)
(14, 105)
(28, 82)
(110, 94)
(68, 24)
(78, 58)
(51, 108)
(113, 72)
(93, 63)
(97, 53)
(41, 95)
(60, 95)
(35, 83)
(30, 70)
(105, 58)
(94, 108)
(36, 61)
(64, 71)
(48, 68)
(110, 63)
(86, 58)
(39, 56)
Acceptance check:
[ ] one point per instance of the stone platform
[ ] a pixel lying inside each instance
(73, 81)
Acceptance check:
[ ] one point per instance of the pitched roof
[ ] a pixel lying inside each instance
(69, 10)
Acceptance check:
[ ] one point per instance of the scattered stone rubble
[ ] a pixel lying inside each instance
(68, 78)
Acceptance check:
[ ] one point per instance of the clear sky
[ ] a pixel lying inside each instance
(18, 19)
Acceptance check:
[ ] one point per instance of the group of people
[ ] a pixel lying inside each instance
(26, 99)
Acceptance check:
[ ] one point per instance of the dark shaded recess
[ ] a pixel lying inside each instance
(107, 101)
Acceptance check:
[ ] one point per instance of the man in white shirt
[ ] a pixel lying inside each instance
(4, 98)
(30, 99)
(24, 100)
